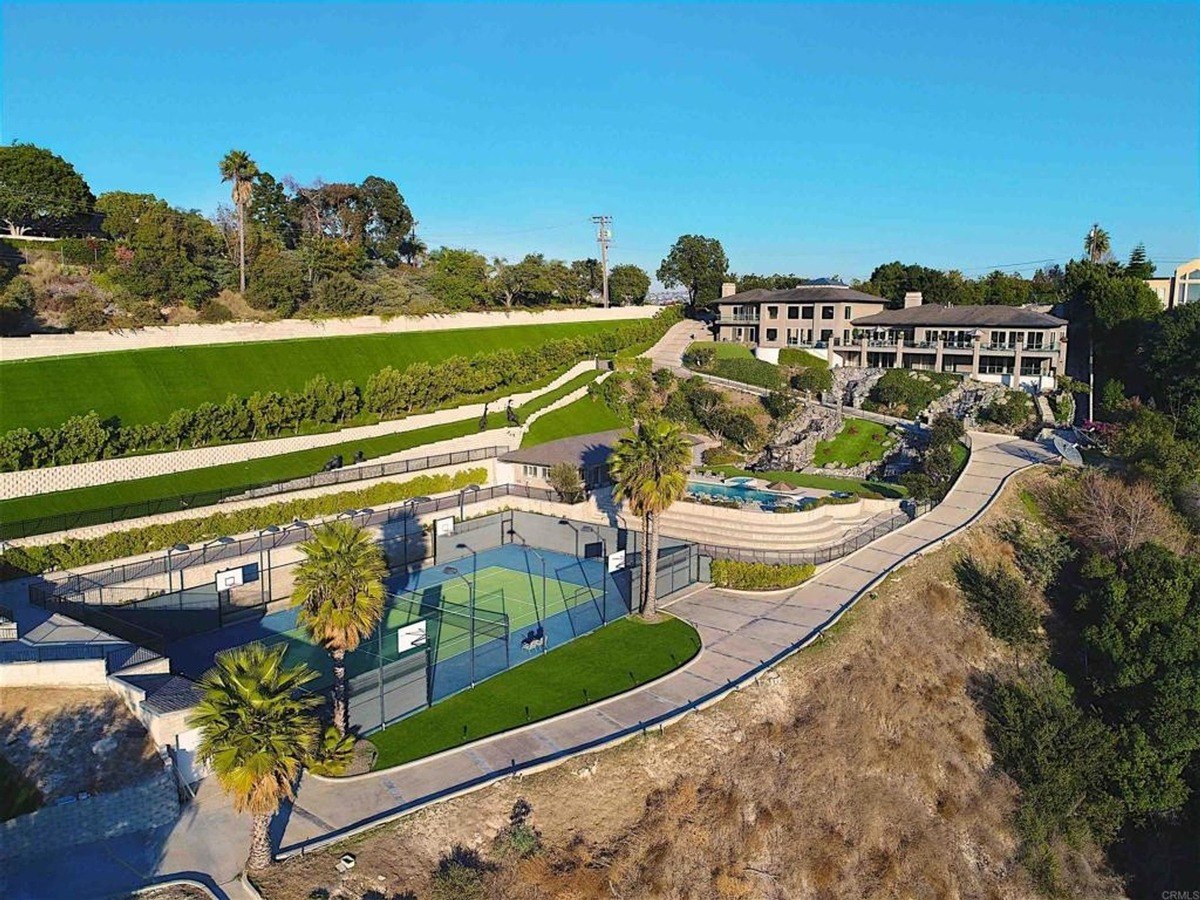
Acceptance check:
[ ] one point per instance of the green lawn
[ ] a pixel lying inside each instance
(794, 356)
(606, 662)
(585, 416)
(859, 486)
(223, 481)
(726, 350)
(859, 441)
(141, 386)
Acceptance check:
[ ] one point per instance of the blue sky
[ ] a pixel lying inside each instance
(814, 138)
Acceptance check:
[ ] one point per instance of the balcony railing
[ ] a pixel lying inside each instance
(752, 319)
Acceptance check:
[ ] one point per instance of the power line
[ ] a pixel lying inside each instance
(603, 238)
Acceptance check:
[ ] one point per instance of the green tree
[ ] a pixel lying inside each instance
(697, 263)
(122, 211)
(649, 468)
(240, 170)
(256, 731)
(1140, 265)
(388, 219)
(339, 591)
(273, 211)
(1170, 347)
(1097, 244)
(628, 284)
(41, 192)
(277, 281)
(458, 277)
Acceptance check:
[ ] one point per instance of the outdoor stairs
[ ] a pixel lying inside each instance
(775, 531)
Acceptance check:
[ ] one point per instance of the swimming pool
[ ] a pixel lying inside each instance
(738, 491)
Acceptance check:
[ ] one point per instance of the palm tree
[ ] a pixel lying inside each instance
(257, 729)
(1096, 244)
(339, 589)
(239, 168)
(649, 467)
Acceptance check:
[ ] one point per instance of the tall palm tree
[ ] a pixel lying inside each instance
(256, 731)
(1096, 244)
(339, 589)
(239, 168)
(649, 467)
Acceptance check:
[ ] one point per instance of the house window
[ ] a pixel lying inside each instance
(1034, 339)
(535, 471)
(807, 313)
(772, 312)
(1031, 367)
(849, 314)
(846, 336)
(793, 337)
(772, 334)
(826, 312)
(793, 312)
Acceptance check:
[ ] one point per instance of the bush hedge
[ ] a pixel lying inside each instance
(74, 552)
(908, 392)
(747, 576)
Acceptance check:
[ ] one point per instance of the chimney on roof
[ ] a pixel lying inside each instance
(728, 289)
(912, 298)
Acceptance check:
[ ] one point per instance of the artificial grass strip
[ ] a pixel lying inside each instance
(142, 386)
(586, 415)
(609, 661)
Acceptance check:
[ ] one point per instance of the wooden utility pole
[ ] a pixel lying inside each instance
(603, 238)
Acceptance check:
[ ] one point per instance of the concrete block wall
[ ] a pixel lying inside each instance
(54, 673)
(42, 345)
(150, 804)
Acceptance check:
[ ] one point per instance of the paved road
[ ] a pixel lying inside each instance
(741, 635)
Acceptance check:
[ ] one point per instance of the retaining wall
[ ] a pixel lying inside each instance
(147, 805)
(42, 345)
(54, 673)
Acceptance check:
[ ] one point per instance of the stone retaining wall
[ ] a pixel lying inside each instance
(152, 803)
(42, 345)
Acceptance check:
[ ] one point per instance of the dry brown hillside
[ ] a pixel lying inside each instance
(857, 768)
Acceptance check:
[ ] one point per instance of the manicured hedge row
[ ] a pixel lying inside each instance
(118, 544)
(746, 576)
(388, 394)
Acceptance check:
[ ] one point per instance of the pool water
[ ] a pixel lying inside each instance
(740, 492)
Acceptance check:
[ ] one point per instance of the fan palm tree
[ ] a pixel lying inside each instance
(1096, 244)
(339, 590)
(649, 467)
(256, 731)
(238, 168)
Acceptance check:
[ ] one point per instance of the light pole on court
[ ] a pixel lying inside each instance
(541, 619)
(462, 500)
(174, 548)
(592, 529)
(264, 569)
(451, 570)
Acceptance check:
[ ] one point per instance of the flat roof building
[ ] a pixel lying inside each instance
(1180, 287)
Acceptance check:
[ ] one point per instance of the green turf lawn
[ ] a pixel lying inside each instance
(725, 349)
(224, 481)
(860, 486)
(585, 416)
(859, 441)
(141, 386)
(606, 662)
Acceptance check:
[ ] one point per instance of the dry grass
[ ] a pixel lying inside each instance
(857, 768)
(72, 740)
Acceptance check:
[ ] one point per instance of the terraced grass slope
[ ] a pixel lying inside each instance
(142, 386)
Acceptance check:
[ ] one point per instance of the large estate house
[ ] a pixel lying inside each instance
(1010, 345)
(1180, 287)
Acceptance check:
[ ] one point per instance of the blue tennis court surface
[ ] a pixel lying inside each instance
(495, 609)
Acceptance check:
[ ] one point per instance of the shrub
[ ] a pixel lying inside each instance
(459, 875)
(1040, 552)
(812, 380)
(748, 576)
(699, 357)
(998, 597)
(748, 371)
(720, 456)
(114, 545)
(1012, 410)
(904, 391)
(779, 404)
(333, 754)
(564, 478)
(944, 430)
(214, 312)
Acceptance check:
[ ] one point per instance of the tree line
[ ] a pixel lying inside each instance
(388, 394)
(286, 247)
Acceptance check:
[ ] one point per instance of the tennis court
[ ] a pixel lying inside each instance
(483, 613)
